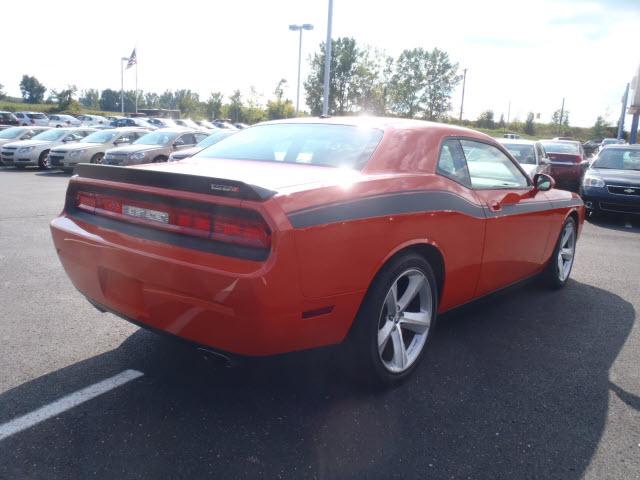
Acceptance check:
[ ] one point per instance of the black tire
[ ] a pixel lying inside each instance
(97, 158)
(160, 158)
(363, 339)
(551, 275)
(42, 160)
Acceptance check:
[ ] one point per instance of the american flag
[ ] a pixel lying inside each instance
(133, 59)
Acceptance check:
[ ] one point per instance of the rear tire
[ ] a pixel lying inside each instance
(160, 158)
(43, 163)
(395, 320)
(558, 270)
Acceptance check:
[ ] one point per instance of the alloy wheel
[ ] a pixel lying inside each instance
(566, 252)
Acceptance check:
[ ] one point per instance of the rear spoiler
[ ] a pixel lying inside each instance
(174, 181)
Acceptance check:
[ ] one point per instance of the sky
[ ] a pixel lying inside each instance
(529, 54)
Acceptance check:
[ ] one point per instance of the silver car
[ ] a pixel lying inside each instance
(154, 146)
(530, 155)
(91, 149)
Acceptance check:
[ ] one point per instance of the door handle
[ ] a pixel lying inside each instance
(495, 206)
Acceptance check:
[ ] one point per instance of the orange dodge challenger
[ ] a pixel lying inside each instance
(301, 233)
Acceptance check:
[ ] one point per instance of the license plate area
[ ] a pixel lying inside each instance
(146, 213)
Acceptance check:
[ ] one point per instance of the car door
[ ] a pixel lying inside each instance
(518, 217)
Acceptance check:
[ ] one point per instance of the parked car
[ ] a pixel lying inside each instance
(13, 134)
(113, 118)
(8, 118)
(93, 120)
(251, 246)
(568, 162)
(529, 154)
(223, 124)
(612, 182)
(511, 136)
(162, 122)
(91, 149)
(611, 141)
(153, 147)
(571, 139)
(206, 125)
(187, 123)
(240, 126)
(212, 139)
(591, 146)
(32, 118)
(35, 151)
(59, 121)
(132, 122)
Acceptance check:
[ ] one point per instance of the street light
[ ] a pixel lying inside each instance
(300, 28)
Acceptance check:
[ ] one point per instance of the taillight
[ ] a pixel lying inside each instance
(246, 228)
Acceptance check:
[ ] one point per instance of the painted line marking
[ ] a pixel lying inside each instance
(67, 402)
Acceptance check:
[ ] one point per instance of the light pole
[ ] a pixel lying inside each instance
(327, 63)
(300, 28)
(122, 61)
(464, 83)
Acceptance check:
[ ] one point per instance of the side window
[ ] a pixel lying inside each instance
(452, 163)
(188, 139)
(490, 168)
(200, 137)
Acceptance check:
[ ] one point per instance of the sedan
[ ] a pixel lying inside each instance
(93, 120)
(13, 134)
(36, 150)
(568, 162)
(91, 149)
(153, 147)
(60, 121)
(612, 182)
(302, 233)
(529, 154)
(32, 118)
(8, 118)
(207, 142)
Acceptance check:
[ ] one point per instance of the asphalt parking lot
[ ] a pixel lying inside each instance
(526, 384)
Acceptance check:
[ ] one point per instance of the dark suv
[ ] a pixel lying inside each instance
(8, 118)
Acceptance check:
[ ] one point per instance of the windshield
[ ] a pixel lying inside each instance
(155, 138)
(11, 132)
(522, 153)
(618, 158)
(36, 115)
(561, 147)
(100, 137)
(213, 139)
(51, 135)
(315, 144)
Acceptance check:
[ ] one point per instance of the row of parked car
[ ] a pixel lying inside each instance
(609, 181)
(39, 119)
(63, 148)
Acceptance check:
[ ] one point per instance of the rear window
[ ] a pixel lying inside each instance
(36, 115)
(523, 153)
(314, 144)
(561, 147)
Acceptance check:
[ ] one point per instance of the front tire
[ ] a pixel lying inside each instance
(97, 158)
(160, 158)
(558, 270)
(43, 163)
(395, 320)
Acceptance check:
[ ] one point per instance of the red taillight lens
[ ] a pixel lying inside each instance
(245, 229)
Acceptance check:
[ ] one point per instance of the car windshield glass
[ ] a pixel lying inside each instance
(11, 132)
(315, 144)
(618, 158)
(36, 115)
(51, 135)
(561, 147)
(155, 138)
(213, 139)
(523, 153)
(99, 137)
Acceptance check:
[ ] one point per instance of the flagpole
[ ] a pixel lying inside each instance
(136, 82)
(122, 85)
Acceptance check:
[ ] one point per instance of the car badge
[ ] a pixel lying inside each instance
(629, 190)
(224, 188)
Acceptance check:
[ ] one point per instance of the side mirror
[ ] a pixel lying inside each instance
(178, 143)
(543, 182)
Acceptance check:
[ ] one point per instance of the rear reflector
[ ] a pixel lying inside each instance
(250, 230)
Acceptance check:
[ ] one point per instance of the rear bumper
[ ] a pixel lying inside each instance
(567, 175)
(238, 306)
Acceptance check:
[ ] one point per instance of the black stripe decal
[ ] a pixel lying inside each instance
(382, 205)
(573, 202)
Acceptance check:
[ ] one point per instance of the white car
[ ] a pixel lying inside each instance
(60, 121)
(14, 134)
(93, 120)
(530, 154)
(32, 118)
(35, 151)
(91, 148)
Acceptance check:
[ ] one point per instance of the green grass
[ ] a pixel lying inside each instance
(13, 106)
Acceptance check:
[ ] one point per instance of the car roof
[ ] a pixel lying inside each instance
(622, 146)
(516, 141)
(175, 130)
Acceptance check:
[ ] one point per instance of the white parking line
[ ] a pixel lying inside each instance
(65, 403)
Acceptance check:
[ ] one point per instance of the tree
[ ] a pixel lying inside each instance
(151, 100)
(501, 122)
(110, 100)
(529, 127)
(599, 129)
(90, 98)
(555, 118)
(65, 99)
(214, 105)
(407, 82)
(485, 120)
(168, 100)
(279, 108)
(235, 107)
(32, 90)
(441, 78)
(187, 102)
